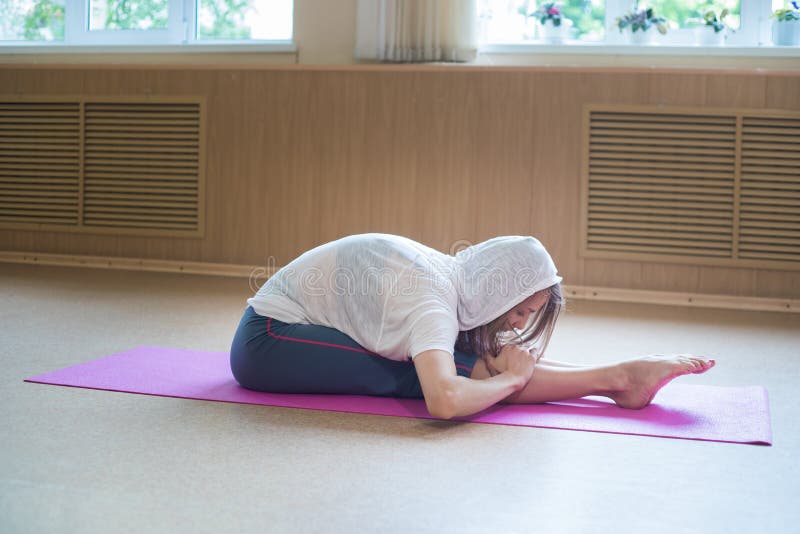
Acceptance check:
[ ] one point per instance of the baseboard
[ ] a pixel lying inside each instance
(134, 264)
(669, 298)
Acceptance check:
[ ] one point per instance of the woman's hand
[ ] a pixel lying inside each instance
(516, 360)
(448, 395)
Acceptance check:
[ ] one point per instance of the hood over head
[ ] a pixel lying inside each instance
(496, 275)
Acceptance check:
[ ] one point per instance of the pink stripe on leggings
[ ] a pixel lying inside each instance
(464, 368)
(334, 345)
(310, 342)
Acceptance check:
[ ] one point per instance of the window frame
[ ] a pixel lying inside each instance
(180, 34)
(754, 33)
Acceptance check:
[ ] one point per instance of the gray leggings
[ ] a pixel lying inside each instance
(269, 355)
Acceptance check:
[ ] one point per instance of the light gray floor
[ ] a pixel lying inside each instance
(78, 460)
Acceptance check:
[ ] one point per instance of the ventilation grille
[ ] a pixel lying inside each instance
(695, 185)
(99, 165)
(39, 162)
(770, 197)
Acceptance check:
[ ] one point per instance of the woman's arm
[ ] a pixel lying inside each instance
(448, 395)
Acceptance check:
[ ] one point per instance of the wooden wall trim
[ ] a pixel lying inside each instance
(671, 298)
(421, 67)
(132, 264)
(254, 272)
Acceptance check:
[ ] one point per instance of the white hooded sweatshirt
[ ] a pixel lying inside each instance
(398, 298)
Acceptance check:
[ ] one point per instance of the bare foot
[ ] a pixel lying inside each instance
(640, 379)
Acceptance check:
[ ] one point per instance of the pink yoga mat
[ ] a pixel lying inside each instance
(728, 414)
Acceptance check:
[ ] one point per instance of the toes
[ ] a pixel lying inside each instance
(704, 364)
(707, 363)
(699, 364)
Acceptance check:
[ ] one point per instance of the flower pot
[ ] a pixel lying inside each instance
(706, 36)
(641, 37)
(555, 34)
(786, 32)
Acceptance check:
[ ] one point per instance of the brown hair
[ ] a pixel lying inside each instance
(486, 340)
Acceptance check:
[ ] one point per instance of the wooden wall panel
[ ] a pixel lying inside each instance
(296, 219)
(447, 129)
(297, 157)
(250, 124)
(783, 92)
(389, 165)
(736, 91)
(556, 144)
(677, 89)
(53, 82)
(343, 192)
(507, 199)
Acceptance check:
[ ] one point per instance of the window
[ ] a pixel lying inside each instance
(144, 22)
(595, 21)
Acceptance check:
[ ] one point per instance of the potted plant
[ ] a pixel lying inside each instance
(786, 26)
(553, 25)
(712, 29)
(638, 22)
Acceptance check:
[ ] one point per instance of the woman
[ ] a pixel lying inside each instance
(379, 314)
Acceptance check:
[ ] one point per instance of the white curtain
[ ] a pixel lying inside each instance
(417, 30)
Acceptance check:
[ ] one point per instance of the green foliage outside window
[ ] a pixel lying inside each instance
(45, 15)
(588, 18)
(228, 18)
(683, 14)
(43, 20)
(130, 14)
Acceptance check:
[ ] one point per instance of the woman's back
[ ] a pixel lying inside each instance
(394, 296)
